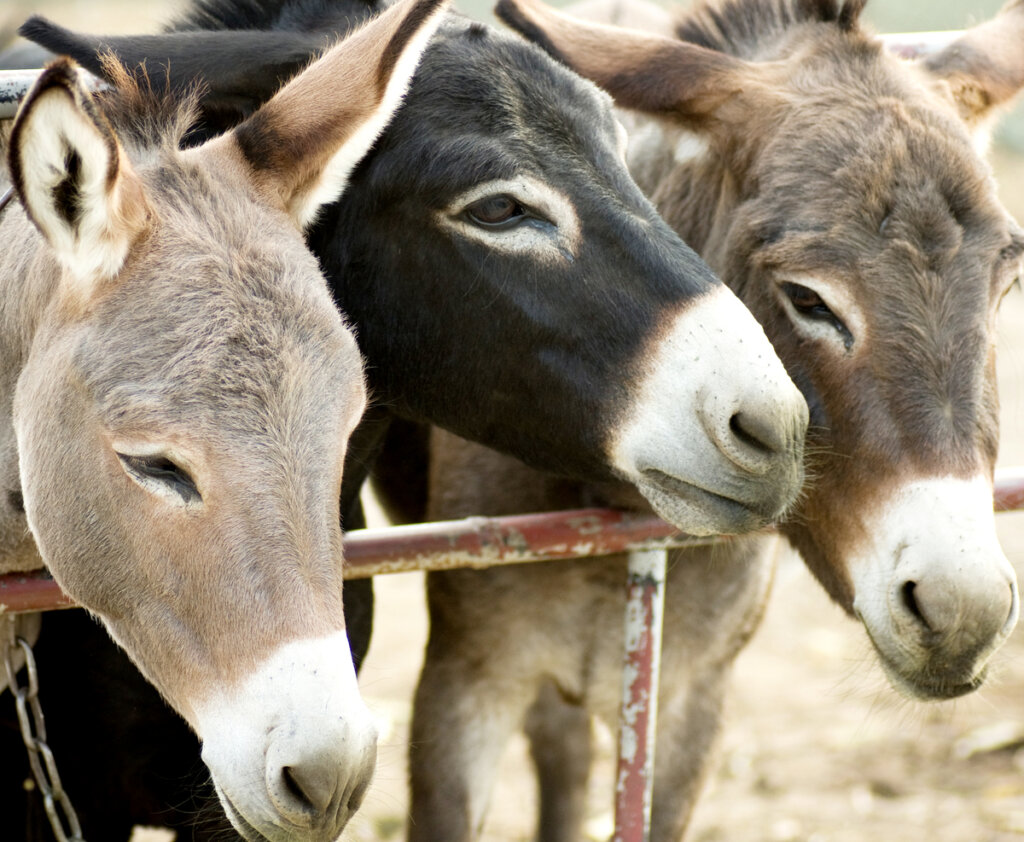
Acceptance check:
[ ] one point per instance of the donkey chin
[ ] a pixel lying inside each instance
(934, 590)
(293, 748)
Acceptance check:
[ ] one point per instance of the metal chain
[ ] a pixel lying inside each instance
(33, 732)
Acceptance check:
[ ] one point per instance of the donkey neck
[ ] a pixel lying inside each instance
(28, 280)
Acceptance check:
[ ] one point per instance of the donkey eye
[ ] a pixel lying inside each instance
(159, 469)
(810, 305)
(807, 301)
(496, 212)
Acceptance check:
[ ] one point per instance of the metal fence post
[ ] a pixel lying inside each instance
(638, 716)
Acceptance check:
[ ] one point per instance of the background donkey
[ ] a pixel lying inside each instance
(837, 189)
(181, 389)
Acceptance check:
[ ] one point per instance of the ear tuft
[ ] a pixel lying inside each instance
(849, 15)
(515, 16)
(71, 175)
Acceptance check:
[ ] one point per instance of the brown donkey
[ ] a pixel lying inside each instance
(838, 190)
(179, 392)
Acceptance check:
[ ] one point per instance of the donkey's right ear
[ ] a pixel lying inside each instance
(984, 68)
(302, 145)
(73, 178)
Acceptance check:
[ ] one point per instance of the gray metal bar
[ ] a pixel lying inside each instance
(638, 715)
(14, 84)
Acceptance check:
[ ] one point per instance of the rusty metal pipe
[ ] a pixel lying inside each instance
(481, 542)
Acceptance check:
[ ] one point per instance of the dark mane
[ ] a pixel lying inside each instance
(738, 27)
(145, 113)
(282, 15)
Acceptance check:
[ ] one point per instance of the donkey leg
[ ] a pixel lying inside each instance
(688, 732)
(714, 603)
(461, 725)
(560, 746)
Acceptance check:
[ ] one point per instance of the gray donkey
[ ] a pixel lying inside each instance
(178, 392)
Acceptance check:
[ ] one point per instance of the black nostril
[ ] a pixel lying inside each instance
(293, 786)
(756, 432)
(910, 602)
(16, 500)
(295, 789)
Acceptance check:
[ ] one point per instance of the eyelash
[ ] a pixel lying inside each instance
(163, 470)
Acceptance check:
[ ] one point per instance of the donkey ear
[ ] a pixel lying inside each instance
(641, 70)
(73, 178)
(303, 144)
(985, 68)
(239, 70)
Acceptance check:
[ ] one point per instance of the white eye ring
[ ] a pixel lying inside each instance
(559, 240)
(822, 311)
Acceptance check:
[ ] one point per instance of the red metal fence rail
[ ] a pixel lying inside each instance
(483, 542)
(480, 542)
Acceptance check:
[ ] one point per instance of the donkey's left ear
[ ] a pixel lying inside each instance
(985, 68)
(304, 143)
(644, 71)
(73, 178)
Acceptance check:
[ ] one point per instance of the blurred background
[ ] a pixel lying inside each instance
(817, 747)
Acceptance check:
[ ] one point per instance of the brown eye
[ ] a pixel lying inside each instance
(806, 300)
(809, 304)
(496, 212)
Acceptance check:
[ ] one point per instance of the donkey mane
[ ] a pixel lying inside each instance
(147, 115)
(737, 27)
(292, 16)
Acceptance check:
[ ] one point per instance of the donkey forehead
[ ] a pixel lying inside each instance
(488, 105)
(886, 184)
(880, 140)
(229, 335)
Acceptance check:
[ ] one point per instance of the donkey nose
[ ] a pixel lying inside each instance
(756, 430)
(312, 786)
(945, 607)
(317, 787)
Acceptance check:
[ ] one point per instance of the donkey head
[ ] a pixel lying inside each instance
(183, 413)
(579, 332)
(838, 191)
